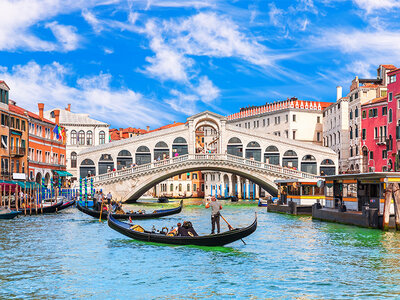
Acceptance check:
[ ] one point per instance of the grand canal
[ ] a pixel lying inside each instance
(71, 255)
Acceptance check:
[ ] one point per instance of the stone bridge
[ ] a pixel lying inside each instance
(129, 184)
(255, 155)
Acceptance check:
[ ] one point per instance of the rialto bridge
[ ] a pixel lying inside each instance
(204, 143)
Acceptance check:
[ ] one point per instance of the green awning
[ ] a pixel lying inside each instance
(16, 132)
(63, 173)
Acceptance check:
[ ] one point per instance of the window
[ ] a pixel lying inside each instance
(384, 111)
(294, 134)
(17, 123)
(392, 78)
(73, 159)
(81, 137)
(356, 131)
(318, 136)
(263, 122)
(356, 150)
(287, 133)
(318, 119)
(23, 125)
(89, 137)
(364, 114)
(12, 122)
(370, 113)
(375, 112)
(371, 154)
(188, 187)
(294, 118)
(268, 122)
(356, 95)
(73, 137)
(364, 133)
(376, 132)
(102, 137)
(351, 115)
(287, 118)
(390, 116)
(351, 152)
(356, 112)
(390, 97)
(4, 120)
(384, 154)
(4, 140)
(351, 133)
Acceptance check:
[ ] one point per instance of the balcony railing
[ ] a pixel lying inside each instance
(17, 151)
(381, 140)
(5, 173)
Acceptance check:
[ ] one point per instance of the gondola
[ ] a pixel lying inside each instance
(7, 214)
(48, 209)
(232, 198)
(262, 202)
(66, 204)
(219, 239)
(163, 200)
(155, 214)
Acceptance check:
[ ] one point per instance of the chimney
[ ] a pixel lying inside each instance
(338, 92)
(68, 107)
(147, 128)
(57, 116)
(41, 108)
(120, 132)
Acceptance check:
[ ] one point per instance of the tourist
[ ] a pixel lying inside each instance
(215, 213)
(109, 198)
(95, 199)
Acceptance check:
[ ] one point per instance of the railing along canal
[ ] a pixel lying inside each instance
(201, 158)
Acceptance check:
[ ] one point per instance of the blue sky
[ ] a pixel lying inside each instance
(138, 63)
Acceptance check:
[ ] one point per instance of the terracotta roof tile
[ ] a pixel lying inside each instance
(21, 111)
(375, 101)
(389, 67)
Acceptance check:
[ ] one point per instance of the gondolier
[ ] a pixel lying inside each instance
(215, 215)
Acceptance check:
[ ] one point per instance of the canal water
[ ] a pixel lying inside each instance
(73, 256)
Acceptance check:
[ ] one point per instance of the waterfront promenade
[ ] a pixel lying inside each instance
(71, 255)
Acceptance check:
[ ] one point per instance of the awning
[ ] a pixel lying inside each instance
(63, 173)
(16, 132)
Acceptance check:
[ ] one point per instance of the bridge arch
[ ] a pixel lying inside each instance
(263, 181)
(87, 167)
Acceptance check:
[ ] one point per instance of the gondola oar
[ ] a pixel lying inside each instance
(230, 226)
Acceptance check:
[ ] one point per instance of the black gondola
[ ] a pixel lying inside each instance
(66, 205)
(232, 198)
(163, 200)
(219, 239)
(155, 214)
(46, 209)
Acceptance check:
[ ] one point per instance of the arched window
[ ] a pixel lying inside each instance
(102, 137)
(290, 159)
(73, 137)
(235, 147)
(106, 164)
(87, 167)
(271, 155)
(309, 164)
(253, 151)
(356, 112)
(179, 147)
(188, 187)
(171, 187)
(73, 159)
(124, 159)
(161, 151)
(143, 155)
(81, 137)
(89, 138)
(180, 187)
(327, 167)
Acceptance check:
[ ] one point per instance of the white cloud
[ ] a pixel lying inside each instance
(32, 83)
(20, 17)
(66, 36)
(93, 21)
(206, 90)
(371, 5)
(108, 51)
(185, 103)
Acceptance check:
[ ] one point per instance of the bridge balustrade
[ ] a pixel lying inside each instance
(205, 157)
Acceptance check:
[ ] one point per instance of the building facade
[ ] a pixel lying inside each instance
(14, 138)
(124, 133)
(393, 103)
(374, 135)
(293, 119)
(336, 129)
(189, 184)
(82, 132)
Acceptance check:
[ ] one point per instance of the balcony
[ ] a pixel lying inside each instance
(381, 140)
(17, 152)
(5, 173)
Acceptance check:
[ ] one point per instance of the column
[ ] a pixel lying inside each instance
(211, 190)
(257, 192)
(239, 187)
(231, 191)
(247, 187)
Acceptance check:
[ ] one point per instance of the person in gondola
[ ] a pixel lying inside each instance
(109, 198)
(187, 229)
(215, 213)
(95, 199)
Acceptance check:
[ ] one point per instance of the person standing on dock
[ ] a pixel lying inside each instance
(215, 213)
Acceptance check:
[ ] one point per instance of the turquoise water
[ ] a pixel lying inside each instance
(71, 255)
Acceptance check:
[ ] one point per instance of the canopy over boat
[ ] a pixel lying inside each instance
(155, 214)
(219, 239)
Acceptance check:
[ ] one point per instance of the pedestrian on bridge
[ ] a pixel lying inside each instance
(215, 213)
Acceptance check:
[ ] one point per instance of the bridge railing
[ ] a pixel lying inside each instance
(204, 157)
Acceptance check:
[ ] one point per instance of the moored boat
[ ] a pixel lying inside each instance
(219, 239)
(262, 203)
(136, 215)
(66, 204)
(163, 200)
(47, 209)
(231, 198)
(7, 214)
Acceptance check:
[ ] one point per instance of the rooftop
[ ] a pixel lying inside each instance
(375, 101)
(21, 111)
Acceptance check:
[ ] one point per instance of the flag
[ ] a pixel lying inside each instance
(59, 133)
(55, 131)
(64, 135)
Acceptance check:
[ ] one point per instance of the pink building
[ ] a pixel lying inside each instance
(374, 114)
(393, 102)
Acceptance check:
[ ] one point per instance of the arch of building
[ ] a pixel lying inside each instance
(38, 177)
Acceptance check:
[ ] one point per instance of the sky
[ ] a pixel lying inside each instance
(153, 62)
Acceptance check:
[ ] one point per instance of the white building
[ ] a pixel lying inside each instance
(82, 132)
(336, 129)
(294, 119)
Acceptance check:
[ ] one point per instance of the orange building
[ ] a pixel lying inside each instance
(125, 133)
(46, 153)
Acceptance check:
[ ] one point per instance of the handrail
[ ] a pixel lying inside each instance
(204, 157)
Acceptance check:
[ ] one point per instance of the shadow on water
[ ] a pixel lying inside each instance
(140, 244)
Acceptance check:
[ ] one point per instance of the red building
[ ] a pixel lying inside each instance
(374, 135)
(393, 99)
(126, 133)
